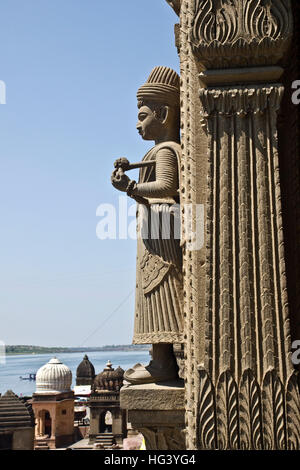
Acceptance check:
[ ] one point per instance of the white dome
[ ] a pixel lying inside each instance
(54, 377)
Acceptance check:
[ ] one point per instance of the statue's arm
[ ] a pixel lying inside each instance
(166, 177)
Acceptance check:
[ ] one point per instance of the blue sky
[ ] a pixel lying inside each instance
(72, 69)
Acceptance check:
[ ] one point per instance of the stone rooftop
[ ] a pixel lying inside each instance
(14, 412)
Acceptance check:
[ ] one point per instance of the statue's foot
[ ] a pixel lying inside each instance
(152, 373)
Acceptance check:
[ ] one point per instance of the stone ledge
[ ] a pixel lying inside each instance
(166, 396)
(157, 411)
(146, 418)
(233, 77)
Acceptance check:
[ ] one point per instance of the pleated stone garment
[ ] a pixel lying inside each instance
(158, 309)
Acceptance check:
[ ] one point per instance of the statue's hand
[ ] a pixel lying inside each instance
(119, 180)
(122, 163)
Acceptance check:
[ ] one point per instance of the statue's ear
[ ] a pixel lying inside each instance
(164, 114)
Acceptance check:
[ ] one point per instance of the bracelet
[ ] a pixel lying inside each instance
(130, 187)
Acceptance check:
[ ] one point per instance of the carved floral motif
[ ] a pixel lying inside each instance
(230, 33)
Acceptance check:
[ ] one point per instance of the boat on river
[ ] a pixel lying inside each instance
(28, 377)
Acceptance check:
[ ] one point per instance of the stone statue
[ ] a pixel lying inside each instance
(158, 310)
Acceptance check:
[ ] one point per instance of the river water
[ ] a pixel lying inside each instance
(16, 366)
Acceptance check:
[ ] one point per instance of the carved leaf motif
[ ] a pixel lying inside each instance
(293, 413)
(280, 13)
(245, 31)
(227, 412)
(273, 412)
(226, 25)
(163, 438)
(250, 413)
(204, 24)
(206, 416)
(259, 22)
(231, 20)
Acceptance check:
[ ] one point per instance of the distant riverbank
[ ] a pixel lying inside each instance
(29, 349)
(18, 365)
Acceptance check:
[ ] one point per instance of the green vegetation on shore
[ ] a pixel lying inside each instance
(24, 349)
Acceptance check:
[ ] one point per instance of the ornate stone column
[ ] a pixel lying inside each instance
(38, 429)
(53, 425)
(241, 386)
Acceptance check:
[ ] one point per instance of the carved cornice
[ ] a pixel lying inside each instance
(241, 33)
(240, 101)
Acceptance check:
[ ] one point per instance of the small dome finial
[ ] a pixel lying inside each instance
(109, 366)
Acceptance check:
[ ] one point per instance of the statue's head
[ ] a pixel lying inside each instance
(159, 104)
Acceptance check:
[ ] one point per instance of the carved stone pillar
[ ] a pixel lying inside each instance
(241, 386)
(248, 373)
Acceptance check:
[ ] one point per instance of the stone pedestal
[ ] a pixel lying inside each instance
(157, 411)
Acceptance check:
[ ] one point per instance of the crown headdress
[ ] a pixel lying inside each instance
(163, 86)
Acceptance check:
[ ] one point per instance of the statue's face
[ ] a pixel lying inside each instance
(148, 126)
